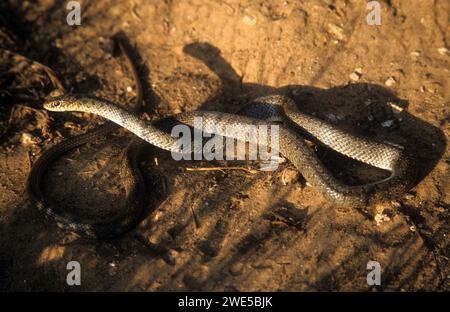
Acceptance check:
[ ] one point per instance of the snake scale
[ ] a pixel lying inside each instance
(294, 127)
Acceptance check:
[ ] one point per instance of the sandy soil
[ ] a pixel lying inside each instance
(263, 231)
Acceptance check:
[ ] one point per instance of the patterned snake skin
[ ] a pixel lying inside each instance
(277, 109)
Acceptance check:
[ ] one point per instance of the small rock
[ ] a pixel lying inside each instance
(355, 76)
(337, 31)
(249, 20)
(113, 267)
(236, 269)
(380, 218)
(412, 228)
(170, 257)
(129, 89)
(390, 82)
(443, 51)
(28, 139)
(387, 123)
(289, 176)
(157, 215)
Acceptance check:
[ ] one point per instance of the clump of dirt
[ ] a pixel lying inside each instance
(226, 229)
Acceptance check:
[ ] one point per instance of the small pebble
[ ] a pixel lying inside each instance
(289, 176)
(390, 82)
(237, 269)
(443, 51)
(337, 31)
(380, 218)
(412, 228)
(28, 139)
(249, 20)
(387, 123)
(169, 257)
(355, 76)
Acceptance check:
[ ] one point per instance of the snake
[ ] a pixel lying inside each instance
(276, 109)
(294, 128)
(134, 183)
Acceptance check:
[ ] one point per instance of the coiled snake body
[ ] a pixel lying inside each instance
(279, 110)
(129, 171)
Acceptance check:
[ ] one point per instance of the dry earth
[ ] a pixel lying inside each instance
(263, 231)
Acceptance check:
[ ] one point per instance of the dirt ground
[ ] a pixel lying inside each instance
(227, 230)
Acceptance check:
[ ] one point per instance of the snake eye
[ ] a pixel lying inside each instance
(52, 105)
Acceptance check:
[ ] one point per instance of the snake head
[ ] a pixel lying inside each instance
(59, 103)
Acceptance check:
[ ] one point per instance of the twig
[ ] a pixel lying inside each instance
(252, 171)
(196, 220)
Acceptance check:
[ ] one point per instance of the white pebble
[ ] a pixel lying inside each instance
(335, 30)
(390, 82)
(249, 20)
(380, 218)
(28, 139)
(354, 76)
(444, 51)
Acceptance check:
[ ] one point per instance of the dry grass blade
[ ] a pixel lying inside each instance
(252, 171)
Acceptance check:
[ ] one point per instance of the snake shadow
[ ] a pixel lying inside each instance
(366, 109)
(361, 108)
